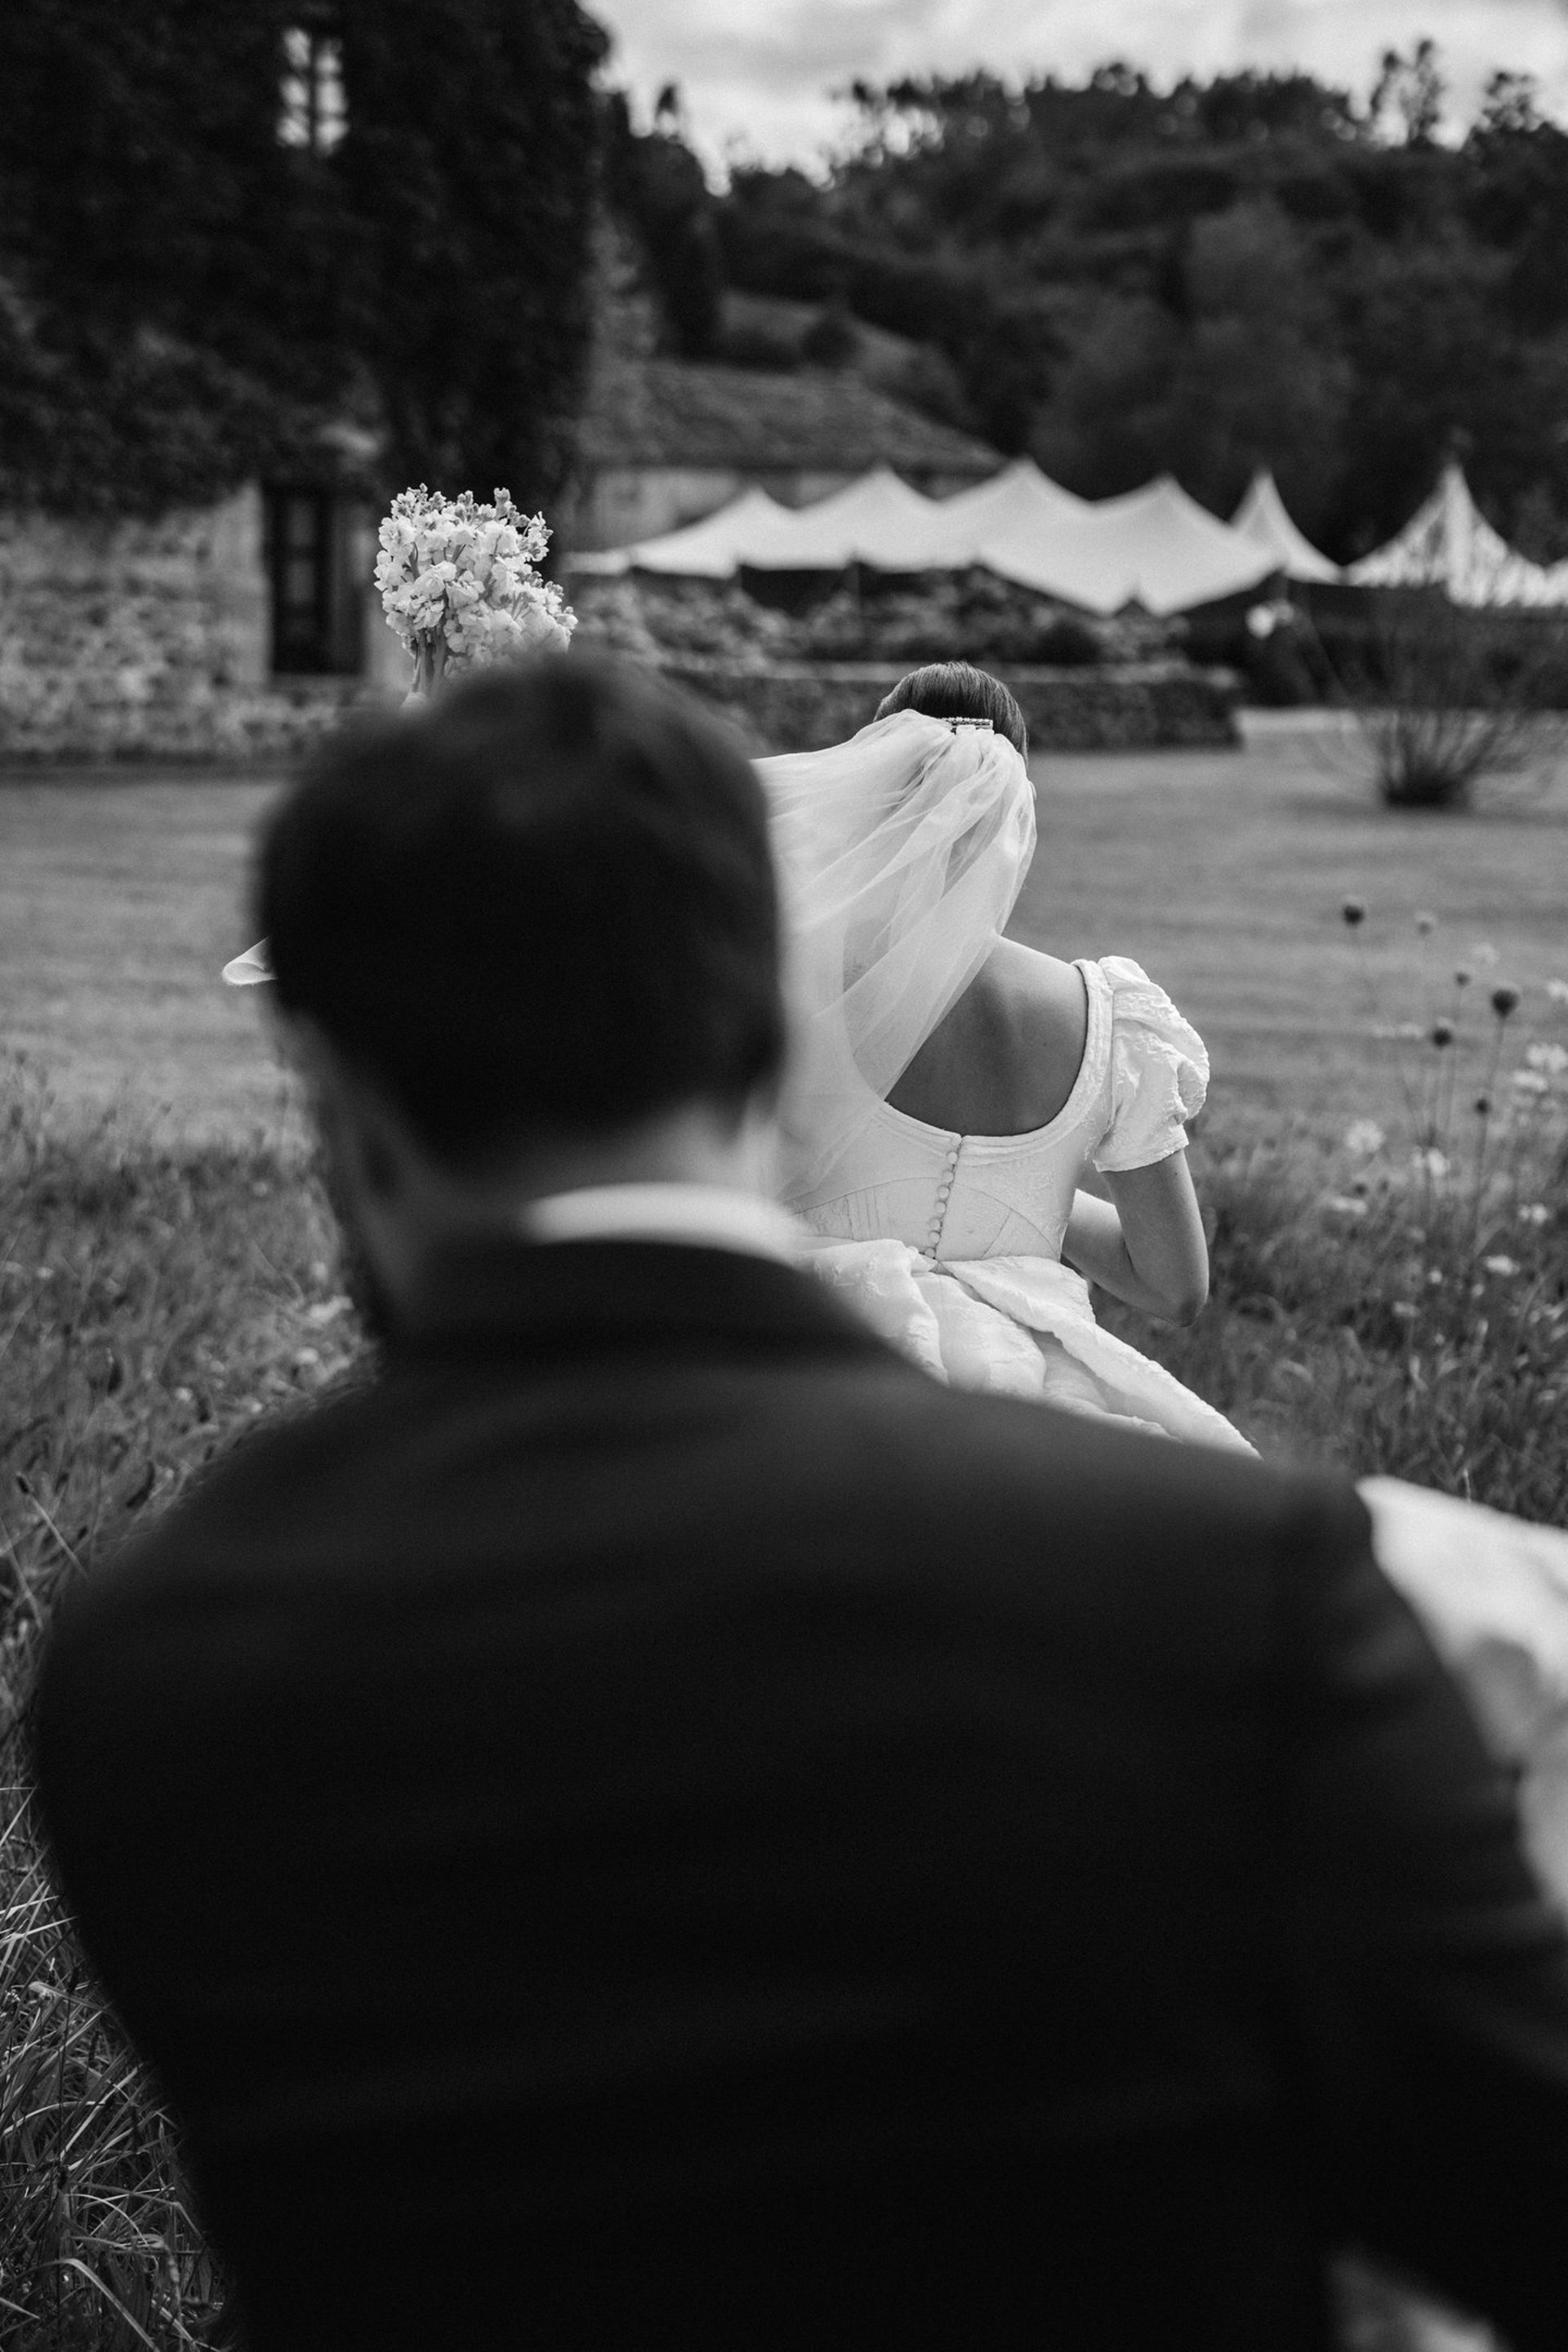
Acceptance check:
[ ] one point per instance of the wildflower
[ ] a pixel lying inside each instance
(1557, 990)
(1505, 1000)
(1552, 1059)
(1528, 1082)
(1483, 952)
(1364, 1137)
(1500, 1264)
(1431, 1163)
(1425, 922)
(1406, 1311)
(1354, 912)
(1435, 1278)
(1442, 1033)
(1463, 975)
(1345, 1204)
(1534, 1213)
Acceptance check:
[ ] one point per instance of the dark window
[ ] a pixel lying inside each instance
(315, 562)
(313, 110)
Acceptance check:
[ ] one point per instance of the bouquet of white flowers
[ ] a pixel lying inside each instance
(460, 585)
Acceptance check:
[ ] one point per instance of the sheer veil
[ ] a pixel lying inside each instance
(901, 854)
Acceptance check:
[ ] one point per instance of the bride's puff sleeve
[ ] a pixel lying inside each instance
(1159, 1072)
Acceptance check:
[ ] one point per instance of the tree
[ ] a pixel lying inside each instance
(1413, 89)
(425, 275)
(1243, 372)
(1262, 382)
(1106, 426)
(658, 186)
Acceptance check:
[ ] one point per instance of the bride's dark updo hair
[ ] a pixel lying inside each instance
(958, 690)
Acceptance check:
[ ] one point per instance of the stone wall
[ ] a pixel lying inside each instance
(130, 639)
(1114, 706)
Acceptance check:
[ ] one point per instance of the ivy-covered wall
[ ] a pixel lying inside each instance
(188, 301)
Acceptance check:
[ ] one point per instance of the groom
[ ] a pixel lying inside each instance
(650, 1823)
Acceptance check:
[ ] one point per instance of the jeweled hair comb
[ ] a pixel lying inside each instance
(971, 726)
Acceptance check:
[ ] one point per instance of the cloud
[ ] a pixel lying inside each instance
(756, 74)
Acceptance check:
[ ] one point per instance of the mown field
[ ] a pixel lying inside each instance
(168, 1276)
(122, 895)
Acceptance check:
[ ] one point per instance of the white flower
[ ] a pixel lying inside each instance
(452, 568)
(1500, 1264)
(1430, 1163)
(1483, 952)
(1364, 1137)
(1557, 990)
(1553, 1059)
(1345, 1204)
(1528, 1082)
(1534, 1213)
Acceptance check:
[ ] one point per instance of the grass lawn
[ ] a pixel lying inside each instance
(1224, 876)
(1222, 873)
(121, 895)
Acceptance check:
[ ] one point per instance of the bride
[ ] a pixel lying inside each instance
(951, 1088)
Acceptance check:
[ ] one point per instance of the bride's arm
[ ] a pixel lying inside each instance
(1146, 1245)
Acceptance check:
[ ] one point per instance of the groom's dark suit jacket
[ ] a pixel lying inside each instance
(654, 1825)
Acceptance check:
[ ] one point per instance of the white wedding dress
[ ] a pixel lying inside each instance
(900, 856)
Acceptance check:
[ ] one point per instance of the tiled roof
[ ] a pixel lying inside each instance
(665, 412)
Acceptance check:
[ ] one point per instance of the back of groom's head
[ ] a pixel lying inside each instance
(547, 906)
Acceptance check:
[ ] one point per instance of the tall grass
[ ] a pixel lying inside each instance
(156, 1304)
(1378, 1331)
(1398, 1301)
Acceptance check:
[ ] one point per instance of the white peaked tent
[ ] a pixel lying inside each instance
(877, 520)
(1264, 518)
(1155, 547)
(1019, 500)
(1448, 543)
(713, 549)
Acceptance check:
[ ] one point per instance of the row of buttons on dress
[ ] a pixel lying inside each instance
(943, 1193)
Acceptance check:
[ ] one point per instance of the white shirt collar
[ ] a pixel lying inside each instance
(703, 1216)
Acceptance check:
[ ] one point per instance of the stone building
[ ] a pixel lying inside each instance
(234, 631)
(135, 621)
(666, 441)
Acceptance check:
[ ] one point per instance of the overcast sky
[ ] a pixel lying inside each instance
(756, 74)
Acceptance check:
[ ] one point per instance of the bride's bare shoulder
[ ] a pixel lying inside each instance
(1027, 977)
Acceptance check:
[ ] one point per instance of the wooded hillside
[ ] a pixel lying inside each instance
(1254, 271)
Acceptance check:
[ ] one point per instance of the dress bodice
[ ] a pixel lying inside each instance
(953, 1197)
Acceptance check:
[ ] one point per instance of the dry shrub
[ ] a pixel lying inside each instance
(1444, 696)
